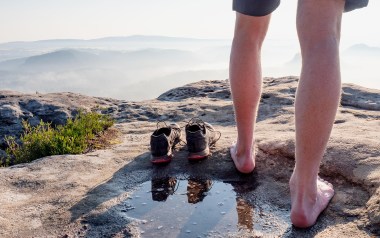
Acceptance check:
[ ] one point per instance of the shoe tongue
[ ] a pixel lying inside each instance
(201, 126)
(163, 131)
(197, 123)
(161, 124)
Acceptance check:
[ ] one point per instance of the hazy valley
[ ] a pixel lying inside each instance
(143, 67)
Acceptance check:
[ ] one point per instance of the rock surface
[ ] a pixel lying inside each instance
(53, 107)
(83, 195)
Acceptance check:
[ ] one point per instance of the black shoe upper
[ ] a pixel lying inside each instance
(164, 139)
(200, 135)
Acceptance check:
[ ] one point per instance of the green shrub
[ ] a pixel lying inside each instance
(75, 137)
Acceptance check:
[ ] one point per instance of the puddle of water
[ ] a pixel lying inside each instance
(170, 207)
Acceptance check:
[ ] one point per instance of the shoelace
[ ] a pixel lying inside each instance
(193, 121)
(220, 135)
(199, 122)
(166, 125)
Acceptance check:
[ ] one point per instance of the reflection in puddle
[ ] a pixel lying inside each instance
(245, 214)
(197, 190)
(162, 188)
(170, 207)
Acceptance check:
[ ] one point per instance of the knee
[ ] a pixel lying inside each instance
(319, 28)
(319, 40)
(326, 46)
(250, 29)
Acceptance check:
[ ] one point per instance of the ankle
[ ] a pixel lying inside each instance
(243, 149)
(303, 184)
(304, 174)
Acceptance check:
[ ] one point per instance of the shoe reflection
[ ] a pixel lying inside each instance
(162, 188)
(197, 189)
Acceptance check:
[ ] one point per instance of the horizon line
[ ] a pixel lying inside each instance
(112, 36)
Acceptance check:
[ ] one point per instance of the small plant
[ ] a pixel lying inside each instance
(77, 136)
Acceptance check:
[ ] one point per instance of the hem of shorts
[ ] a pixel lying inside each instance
(359, 6)
(257, 15)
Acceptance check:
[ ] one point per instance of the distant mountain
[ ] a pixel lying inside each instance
(59, 60)
(22, 49)
(363, 47)
(103, 42)
(358, 51)
(145, 38)
(11, 65)
(296, 60)
(71, 59)
(105, 39)
(363, 50)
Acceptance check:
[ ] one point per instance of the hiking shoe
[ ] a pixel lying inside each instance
(200, 137)
(163, 141)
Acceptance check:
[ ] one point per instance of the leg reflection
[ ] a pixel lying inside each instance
(245, 214)
(197, 189)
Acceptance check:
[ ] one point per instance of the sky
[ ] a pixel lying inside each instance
(29, 20)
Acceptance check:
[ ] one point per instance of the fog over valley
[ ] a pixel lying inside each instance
(143, 67)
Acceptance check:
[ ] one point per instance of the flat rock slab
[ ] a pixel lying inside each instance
(84, 195)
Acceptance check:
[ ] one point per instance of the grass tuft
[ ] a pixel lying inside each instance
(77, 136)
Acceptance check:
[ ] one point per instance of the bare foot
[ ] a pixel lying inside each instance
(307, 206)
(244, 163)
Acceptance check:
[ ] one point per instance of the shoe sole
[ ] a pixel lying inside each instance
(161, 159)
(199, 155)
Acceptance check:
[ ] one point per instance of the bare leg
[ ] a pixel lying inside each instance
(245, 77)
(318, 93)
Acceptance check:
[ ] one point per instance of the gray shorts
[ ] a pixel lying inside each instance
(264, 7)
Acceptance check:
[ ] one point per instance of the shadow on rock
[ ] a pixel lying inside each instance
(262, 198)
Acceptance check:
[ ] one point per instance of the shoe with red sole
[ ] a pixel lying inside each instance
(200, 136)
(162, 142)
